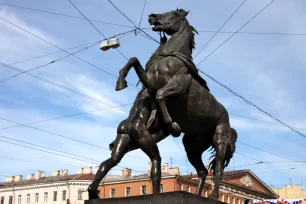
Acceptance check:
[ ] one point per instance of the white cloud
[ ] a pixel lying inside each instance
(16, 43)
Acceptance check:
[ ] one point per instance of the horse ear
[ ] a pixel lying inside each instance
(185, 13)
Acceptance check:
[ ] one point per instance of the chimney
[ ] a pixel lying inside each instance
(56, 173)
(165, 168)
(149, 168)
(40, 174)
(64, 172)
(30, 177)
(18, 178)
(126, 172)
(174, 171)
(80, 171)
(87, 170)
(9, 178)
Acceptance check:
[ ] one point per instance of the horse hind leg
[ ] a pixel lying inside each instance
(194, 151)
(220, 142)
(119, 150)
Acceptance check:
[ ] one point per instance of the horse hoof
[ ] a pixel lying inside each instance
(175, 130)
(121, 84)
(93, 194)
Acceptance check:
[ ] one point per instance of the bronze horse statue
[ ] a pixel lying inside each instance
(172, 86)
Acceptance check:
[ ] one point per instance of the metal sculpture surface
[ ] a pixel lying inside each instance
(172, 87)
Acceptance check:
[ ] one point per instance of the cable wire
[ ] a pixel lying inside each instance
(65, 15)
(87, 19)
(64, 50)
(65, 116)
(66, 88)
(253, 33)
(144, 6)
(132, 22)
(267, 151)
(252, 104)
(44, 55)
(236, 32)
(49, 63)
(220, 28)
(62, 155)
(63, 136)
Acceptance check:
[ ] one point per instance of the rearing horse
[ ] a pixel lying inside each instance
(172, 79)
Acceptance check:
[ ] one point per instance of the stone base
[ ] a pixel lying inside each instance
(179, 197)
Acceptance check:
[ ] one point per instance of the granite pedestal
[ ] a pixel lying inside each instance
(179, 197)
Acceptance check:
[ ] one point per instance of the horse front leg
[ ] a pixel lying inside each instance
(177, 85)
(132, 62)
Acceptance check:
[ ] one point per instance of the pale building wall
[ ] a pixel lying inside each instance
(291, 192)
(71, 187)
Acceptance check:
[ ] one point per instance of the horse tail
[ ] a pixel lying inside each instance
(230, 145)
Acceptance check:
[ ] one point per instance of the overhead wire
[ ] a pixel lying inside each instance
(254, 105)
(236, 32)
(146, 28)
(67, 155)
(254, 33)
(144, 7)
(48, 42)
(230, 17)
(64, 136)
(140, 29)
(45, 55)
(66, 88)
(64, 15)
(47, 64)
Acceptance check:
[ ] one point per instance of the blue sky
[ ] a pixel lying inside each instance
(269, 70)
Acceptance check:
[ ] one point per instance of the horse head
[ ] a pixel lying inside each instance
(169, 22)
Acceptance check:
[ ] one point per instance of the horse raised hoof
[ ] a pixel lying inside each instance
(92, 194)
(175, 129)
(121, 84)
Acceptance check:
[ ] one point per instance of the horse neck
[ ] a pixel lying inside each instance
(181, 41)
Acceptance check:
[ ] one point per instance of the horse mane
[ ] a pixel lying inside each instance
(193, 33)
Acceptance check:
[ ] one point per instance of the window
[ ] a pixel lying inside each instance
(161, 190)
(113, 193)
(127, 191)
(80, 195)
(19, 199)
(238, 201)
(64, 195)
(205, 194)
(181, 187)
(144, 190)
(28, 198)
(227, 200)
(11, 200)
(188, 188)
(36, 197)
(2, 200)
(54, 195)
(45, 196)
(233, 200)
(222, 197)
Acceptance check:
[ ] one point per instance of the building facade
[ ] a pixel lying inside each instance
(236, 188)
(291, 194)
(62, 188)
